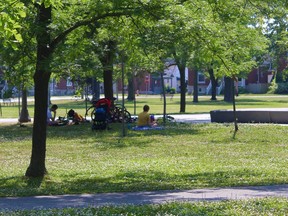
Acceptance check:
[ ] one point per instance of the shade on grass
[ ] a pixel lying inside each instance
(183, 156)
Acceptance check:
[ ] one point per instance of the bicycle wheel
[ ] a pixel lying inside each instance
(127, 116)
(93, 115)
(115, 114)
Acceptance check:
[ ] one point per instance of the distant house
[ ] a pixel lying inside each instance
(257, 81)
(62, 87)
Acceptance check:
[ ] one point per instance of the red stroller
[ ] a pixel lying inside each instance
(101, 114)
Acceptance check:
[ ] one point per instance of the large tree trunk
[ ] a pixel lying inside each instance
(214, 83)
(181, 66)
(229, 89)
(95, 89)
(108, 84)
(42, 74)
(107, 63)
(24, 114)
(131, 89)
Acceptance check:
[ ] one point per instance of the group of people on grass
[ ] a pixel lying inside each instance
(144, 118)
(72, 117)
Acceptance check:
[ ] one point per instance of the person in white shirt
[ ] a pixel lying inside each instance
(51, 117)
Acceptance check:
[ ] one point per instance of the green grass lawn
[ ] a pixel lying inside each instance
(267, 206)
(183, 156)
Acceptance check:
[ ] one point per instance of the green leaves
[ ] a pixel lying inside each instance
(10, 13)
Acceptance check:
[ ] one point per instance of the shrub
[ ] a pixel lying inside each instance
(8, 93)
(242, 90)
(278, 88)
(172, 91)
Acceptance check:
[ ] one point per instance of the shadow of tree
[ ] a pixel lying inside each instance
(129, 181)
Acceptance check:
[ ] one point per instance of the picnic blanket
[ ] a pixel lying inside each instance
(141, 128)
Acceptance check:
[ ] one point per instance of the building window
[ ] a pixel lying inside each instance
(201, 77)
(69, 82)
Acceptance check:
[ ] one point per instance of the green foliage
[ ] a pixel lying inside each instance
(11, 11)
(172, 90)
(272, 87)
(242, 90)
(278, 88)
(8, 93)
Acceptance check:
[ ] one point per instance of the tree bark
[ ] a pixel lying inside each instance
(37, 167)
(228, 90)
(195, 87)
(24, 114)
(183, 88)
(164, 98)
(234, 114)
(95, 89)
(214, 83)
(107, 63)
(131, 89)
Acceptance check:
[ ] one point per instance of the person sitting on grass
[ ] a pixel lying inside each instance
(75, 117)
(51, 118)
(144, 118)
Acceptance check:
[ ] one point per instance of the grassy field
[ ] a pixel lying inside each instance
(183, 156)
(205, 105)
(267, 206)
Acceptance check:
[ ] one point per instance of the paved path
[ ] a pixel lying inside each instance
(136, 198)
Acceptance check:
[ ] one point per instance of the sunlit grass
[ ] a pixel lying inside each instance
(252, 207)
(183, 156)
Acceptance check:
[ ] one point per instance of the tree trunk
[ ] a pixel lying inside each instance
(195, 87)
(164, 98)
(234, 114)
(24, 114)
(214, 83)
(108, 84)
(182, 88)
(228, 90)
(131, 89)
(107, 63)
(95, 89)
(42, 74)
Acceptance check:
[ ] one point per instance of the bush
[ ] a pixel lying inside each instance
(172, 91)
(242, 90)
(8, 93)
(278, 88)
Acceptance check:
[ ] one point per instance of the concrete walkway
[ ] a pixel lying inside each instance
(137, 198)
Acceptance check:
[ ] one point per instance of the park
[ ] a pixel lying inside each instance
(181, 157)
(226, 59)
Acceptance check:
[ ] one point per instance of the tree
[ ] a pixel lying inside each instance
(47, 42)
(19, 60)
(238, 47)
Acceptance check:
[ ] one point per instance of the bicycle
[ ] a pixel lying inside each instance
(117, 113)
